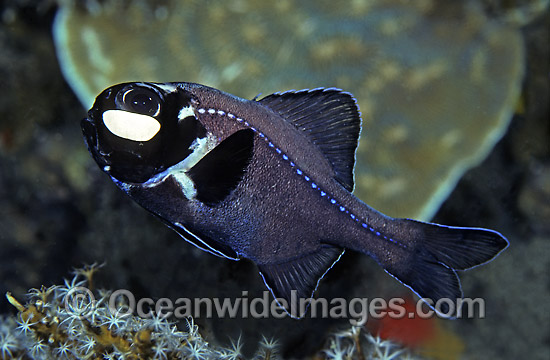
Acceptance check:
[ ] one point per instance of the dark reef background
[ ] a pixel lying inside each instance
(58, 212)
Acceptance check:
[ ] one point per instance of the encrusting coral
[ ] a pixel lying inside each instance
(436, 82)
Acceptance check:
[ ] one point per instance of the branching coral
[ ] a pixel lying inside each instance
(354, 344)
(67, 322)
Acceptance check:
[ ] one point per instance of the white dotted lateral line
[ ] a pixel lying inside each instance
(300, 172)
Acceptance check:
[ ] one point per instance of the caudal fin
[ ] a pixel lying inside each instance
(436, 253)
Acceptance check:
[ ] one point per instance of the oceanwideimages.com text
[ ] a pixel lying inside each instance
(358, 311)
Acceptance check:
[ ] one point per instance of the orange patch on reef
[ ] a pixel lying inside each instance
(406, 328)
(426, 336)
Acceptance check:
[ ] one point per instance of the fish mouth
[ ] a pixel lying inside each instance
(89, 131)
(125, 166)
(91, 138)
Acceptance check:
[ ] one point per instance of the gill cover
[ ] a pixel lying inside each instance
(134, 132)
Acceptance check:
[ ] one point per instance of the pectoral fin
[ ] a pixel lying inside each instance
(220, 171)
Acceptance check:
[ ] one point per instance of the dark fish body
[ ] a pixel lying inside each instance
(269, 181)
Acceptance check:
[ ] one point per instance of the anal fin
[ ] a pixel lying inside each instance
(299, 276)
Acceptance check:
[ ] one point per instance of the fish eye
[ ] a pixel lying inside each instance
(139, 100)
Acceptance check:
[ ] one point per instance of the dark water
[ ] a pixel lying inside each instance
(59, 212)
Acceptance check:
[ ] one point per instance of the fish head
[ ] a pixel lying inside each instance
(137, 130)
(152, 139)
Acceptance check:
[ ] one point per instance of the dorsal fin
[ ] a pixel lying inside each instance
(330, 118)
(301, 275)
